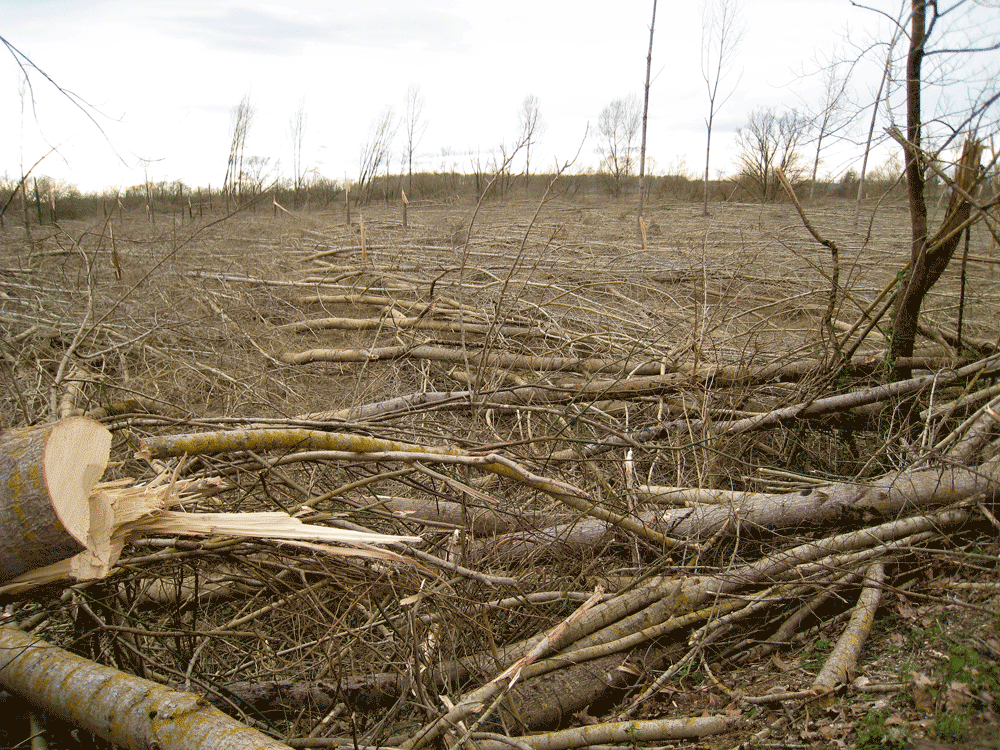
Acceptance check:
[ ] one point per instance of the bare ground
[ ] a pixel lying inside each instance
(198, 332)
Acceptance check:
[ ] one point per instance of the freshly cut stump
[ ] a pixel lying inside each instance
(46, 477)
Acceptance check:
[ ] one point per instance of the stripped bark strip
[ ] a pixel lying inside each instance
(844, 658)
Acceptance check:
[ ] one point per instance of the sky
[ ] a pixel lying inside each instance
(161, 80)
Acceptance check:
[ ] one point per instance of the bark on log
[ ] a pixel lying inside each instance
(901, 492)
(126, 710)
(621, 733)
(46, 477)
(886, 497)
(550, 699)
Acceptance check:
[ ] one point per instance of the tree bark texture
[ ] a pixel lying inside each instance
(126, 710)
(931, 257)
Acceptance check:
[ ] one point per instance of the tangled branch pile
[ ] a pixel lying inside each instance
(636, 474)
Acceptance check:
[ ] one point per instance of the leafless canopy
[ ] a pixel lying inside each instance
(721, 33)
(375, 152)
(296, 134)
(530, 127)
(415, 127)
(235, 183)
(617, 131)
(770, 141)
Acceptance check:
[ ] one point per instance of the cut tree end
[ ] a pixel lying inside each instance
(76, 455)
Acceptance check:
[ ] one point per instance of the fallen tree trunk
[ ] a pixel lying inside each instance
(676, 604)
(903, 491)
(128, 711)
(46, 477)
(907, 491)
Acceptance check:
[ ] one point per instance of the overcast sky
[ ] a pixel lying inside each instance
(163, 78)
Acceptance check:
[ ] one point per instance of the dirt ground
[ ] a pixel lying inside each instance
(184, 325)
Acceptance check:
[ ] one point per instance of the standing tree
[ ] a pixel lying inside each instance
(617, 128)
(645, 114)
(930, 254)
(770, 141)
(242, 118)
(375, 153)
(722, 30)
(829, 119)
(415, 128)
(882, 87)
(530, 128)
(296, 134)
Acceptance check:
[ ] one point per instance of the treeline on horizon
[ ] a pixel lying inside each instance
(50, 200)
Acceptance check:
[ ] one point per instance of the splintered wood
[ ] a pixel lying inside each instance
(46, 476)
(57, 522)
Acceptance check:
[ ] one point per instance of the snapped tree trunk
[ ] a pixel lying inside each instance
(930, 257)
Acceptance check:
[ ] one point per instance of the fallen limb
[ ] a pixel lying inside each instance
(559, 393)
(479, 358)
(400, 322)
(903, 491)
(766, 420)
(227, 441)
(473, 704)
(623, 732)
(126, 710)
(335, 445)
(844, 658)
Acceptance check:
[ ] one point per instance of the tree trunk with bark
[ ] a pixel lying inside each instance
(931, 257)
(126, 710)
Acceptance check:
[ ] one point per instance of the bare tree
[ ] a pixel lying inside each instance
(375, 153)
(770, 141)
(830, 117)
(530, 127)
(722, 29)
(645, 114)
(296, 134)
(617, 128)
(257, 172)
(415, 128)
(931, 253)
(242, 118)
(27, 65)
(883, 84)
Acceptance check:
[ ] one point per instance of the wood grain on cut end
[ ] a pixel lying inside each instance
(46, 476)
